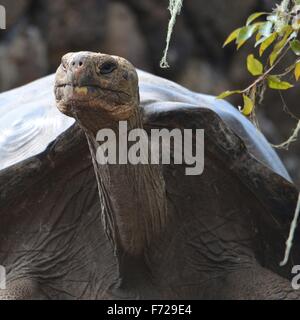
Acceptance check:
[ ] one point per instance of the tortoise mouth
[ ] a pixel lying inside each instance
(87, 88)
(71, 93)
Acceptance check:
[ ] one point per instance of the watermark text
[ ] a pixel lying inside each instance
(2, 17)
(161, 146)
(2, 278)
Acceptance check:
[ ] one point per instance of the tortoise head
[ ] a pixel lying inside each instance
(98, 90)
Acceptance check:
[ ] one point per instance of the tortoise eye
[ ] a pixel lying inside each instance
(108, 67)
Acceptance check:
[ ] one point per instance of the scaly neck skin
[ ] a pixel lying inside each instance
(133, 201)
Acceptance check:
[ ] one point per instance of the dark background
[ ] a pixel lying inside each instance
(39, 32)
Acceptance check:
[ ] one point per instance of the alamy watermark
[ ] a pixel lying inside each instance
(2, 17)
(2, 278)
(161, 146)
(296, 279)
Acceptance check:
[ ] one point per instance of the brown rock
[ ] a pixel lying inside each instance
(23, 58)
(153, 17)
(123, 37)
(72, 25)
(14, 10)
(213, 22)
(202, 77)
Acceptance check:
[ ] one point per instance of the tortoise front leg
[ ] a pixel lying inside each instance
(258, 283)
(21, 289)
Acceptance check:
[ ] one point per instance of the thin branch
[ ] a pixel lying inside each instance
(289, 241)
(291, 139)
(266, 73)
(175, 9)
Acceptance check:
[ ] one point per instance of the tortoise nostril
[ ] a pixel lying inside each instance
(77, 63)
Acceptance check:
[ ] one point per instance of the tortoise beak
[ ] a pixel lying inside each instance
(80, 71)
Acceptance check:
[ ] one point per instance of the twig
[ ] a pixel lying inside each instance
(291, 139)
(266, 73)
(289, 241)
(175, 9)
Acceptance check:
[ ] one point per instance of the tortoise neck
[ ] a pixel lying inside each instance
(132, 197)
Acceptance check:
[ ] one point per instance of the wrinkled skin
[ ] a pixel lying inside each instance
(144, 231)
(101, 90)
(97, 89)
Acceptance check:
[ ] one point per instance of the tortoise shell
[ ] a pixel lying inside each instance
(45, 162)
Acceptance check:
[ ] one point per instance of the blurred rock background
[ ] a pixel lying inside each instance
(39, 32)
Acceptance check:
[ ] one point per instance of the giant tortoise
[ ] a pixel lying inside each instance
(72, 228)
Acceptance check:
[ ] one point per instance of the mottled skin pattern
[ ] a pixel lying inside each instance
(155, 232)
(99, 91)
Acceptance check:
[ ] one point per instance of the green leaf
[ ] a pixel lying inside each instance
(266, 43)
(296, 23)
(288, 35)
(248, 106)
(295, 45)
(297, 70)
(233, 35)
(227, 94)
(273, 56)
(274, 82)
(244, 34)
(266, 29)
(254, 16)
(254, 66)
(258, 37)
